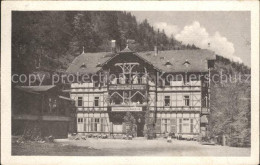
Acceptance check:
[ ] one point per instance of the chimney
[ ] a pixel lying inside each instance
(113, 46)
(155, 51)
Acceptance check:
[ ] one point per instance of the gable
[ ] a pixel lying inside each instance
(128, 57)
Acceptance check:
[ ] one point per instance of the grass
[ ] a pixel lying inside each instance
(52, 149)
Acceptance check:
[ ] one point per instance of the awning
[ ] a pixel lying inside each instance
(66, 98)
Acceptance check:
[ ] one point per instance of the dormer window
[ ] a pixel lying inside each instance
(99, 64)
(162, 58)
(83, 66)
(186, 63)
(168, 64)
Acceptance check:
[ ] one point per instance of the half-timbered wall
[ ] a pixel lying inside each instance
(89, 94)
(181, 113)
(181, 123)
(93, 122)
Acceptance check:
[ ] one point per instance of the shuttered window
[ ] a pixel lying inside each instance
(165, 125)
(85, 125)
(173, 125)
(191, 125)
(103, 124)
(158, 126)
(94, 124)
(180, 125)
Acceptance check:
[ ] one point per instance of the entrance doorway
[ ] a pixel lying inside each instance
(140, 129)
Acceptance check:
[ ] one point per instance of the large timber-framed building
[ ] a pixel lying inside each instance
(137, 82)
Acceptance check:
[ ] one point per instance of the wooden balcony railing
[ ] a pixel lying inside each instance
(127, 87)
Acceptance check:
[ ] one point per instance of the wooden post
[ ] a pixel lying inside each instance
(223, 140)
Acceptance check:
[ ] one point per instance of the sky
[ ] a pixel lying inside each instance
(228, 32)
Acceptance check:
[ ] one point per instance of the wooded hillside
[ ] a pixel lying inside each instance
(53, 39)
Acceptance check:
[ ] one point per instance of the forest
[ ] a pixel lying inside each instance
(54, 39)
(49, 41)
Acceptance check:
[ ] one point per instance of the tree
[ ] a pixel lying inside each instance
(149, 128)
(130, 123)
(230, 104)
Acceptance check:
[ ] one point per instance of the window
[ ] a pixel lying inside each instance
(80, 120)
(185, 125)
(85, 125)
(52, 105)
(180, 125)
(191, 125)
(103, 126)
(167, 100)
(80, 101)
(96, 102)
(165, 125)
(94, 124)
(187, 100)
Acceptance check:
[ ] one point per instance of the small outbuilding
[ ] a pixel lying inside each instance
(42, 108)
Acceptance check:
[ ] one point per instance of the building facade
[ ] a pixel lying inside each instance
(172, 85)
(44, 108)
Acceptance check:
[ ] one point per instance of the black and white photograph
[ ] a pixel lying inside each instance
(136, 83)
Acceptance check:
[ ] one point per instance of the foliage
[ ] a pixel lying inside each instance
(130, 122)
(230, 103)
(149, 128)
(50, 40)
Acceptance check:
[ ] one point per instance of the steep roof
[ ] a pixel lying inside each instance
(92, 61)
(180, 60)
(35, 89)
(196, 60)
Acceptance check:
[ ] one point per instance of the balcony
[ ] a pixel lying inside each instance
(126, 108)
(131, 104)
(127, 87)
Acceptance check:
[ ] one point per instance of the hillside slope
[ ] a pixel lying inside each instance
(51, 40)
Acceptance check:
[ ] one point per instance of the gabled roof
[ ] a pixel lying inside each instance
(197, 60)
(92, 61)
(126, 50)
(35, 89)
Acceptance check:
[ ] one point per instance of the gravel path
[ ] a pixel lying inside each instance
(158, 147)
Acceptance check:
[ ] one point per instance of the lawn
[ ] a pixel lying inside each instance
(55, 149)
